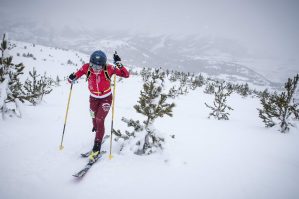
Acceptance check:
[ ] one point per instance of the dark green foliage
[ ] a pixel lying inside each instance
(145, 73)
(37, 86)
(242, 89)
(173, 92)
(219, 108)
(152, 104)
(279, 108)
(11, 88)
(197, 81)
(130, 123)
(173, 77)
(183, 80)
(210, 87)
(183, 90)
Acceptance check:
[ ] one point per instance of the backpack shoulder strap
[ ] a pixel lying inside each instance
(106, 73)
(88, 73)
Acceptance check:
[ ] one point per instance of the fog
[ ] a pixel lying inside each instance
(269, 28)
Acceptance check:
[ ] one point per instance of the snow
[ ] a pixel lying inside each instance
(54, 61)
(208, 158)
(3, 91)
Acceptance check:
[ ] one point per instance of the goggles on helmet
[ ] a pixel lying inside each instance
(95, 66)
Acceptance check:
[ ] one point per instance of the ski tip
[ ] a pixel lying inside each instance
(78, 175)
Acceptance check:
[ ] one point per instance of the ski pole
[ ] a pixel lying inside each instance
(65, 118)
(113, 104)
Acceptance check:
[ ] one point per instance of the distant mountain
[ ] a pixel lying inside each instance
(193, 53)
(212, 56)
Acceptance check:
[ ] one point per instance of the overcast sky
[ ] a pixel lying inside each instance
(269, 25)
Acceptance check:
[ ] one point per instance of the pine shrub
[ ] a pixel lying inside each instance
(280, 109)
(219, 107)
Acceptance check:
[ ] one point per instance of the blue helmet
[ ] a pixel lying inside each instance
(98, 58)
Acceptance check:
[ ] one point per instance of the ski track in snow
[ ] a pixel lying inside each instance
(208, 158)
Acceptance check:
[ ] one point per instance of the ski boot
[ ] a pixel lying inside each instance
(95, 151)
(93, 156)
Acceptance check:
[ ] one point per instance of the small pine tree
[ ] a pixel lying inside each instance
(183, 80)
(145, 73)
(37, 87)
(57, 82)
(219, 105)
(152, 104)
(173, 92)
(279, 108)
(70, 62)
(173, 77)
(10, 86)
(210, 87)
(243, 90)
(197, 81)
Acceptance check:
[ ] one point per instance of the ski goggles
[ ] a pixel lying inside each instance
(95, 66)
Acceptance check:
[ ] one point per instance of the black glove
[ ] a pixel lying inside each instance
(93, 129)
(72, 78)
(117, 60)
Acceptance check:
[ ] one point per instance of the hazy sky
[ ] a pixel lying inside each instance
(260, 24)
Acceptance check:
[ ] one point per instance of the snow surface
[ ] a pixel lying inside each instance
(208, 158)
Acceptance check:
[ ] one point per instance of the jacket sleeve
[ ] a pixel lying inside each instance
(122, 72)
(83, 70)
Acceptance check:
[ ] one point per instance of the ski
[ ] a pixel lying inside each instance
(85, 155)
(83, 171)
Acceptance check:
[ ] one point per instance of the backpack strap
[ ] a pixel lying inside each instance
(106, 73)
(88, 73)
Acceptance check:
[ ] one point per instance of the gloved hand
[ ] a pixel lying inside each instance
(117, 60)
(72, 78)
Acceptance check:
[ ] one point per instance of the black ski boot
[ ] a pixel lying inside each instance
(95, 151)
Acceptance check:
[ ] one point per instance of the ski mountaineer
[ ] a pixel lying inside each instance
(98, 73)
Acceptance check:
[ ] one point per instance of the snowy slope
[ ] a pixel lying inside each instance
(53, 61)
(231, 159)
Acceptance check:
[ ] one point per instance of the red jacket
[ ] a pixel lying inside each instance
(99, 84)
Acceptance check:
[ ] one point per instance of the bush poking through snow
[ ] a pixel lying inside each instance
(279, 108)
(197, 81)
(210, 87)
(219, 107)
(152, 102)
(11, 92)
(145, 139)
(37, 86)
